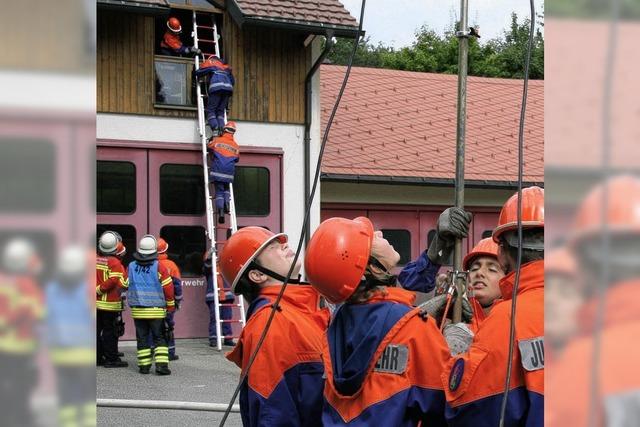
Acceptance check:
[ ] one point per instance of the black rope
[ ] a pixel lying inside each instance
(523, 108)
(316, 178)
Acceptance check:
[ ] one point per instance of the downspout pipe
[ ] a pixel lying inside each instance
(307, 128)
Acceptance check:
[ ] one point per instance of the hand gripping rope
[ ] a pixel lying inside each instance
(316, 178)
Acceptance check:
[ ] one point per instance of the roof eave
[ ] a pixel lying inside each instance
(434, 182)
(289, 24)
(134, 6)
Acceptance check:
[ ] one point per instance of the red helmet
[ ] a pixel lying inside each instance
(163, 246)
(230, 127)
(121, 250)
(485, 247)
(622, 213)
(242, 248)
(532, 212)
(337, 256)
(173, 24)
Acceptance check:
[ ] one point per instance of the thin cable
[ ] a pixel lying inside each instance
(595, 406)
(523, 108)
(316, 178)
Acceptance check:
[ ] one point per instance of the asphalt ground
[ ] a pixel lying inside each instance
(202, 374)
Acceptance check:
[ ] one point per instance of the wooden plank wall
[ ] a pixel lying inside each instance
(269, 66)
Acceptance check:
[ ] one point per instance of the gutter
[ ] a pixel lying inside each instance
(434, 182)
(307, 129)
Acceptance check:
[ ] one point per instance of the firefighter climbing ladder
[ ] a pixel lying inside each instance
(212, 29)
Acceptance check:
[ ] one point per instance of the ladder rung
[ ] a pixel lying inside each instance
(207, 41)
(230, 321)
(206, 26)
(229, 305)
(231, 336)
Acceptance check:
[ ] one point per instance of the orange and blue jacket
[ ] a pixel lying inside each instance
(383, 360)
(284, 385)
(570, 376)
(474, 382)
(172, 44)
(150, 290)
(226, 153)
(220, 75)
(174, 272)
(111, 280)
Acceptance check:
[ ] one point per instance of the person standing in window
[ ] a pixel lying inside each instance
(171, 44)
(226, 153)
(220, 90)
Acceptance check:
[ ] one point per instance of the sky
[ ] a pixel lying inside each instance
(394, 22)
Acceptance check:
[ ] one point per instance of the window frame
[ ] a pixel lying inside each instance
(135, 187)
(188, 83)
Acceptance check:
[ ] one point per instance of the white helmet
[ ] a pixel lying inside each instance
(20, 256)
(108, 243)
(72, 261)
(148, 245)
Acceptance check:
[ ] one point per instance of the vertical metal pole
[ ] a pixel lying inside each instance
(463, 54)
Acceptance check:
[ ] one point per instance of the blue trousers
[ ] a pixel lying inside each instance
(222, 197)
(172, 342)
(217, 104)
(226, 313)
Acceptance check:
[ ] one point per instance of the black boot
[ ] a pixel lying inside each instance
(221, 218)
(115, 364)
(163, 369)
(144, 369)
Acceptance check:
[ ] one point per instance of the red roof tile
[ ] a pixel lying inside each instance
(330, 12)
(403, 124)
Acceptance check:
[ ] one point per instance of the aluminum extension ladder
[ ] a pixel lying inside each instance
(213, 48)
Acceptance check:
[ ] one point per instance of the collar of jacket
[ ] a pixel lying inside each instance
(531, 277)
(392, 294)
(621, 306)
(303, 296)
(162, 256)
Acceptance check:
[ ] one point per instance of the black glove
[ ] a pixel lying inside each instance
(195, 51)
(453, 223)
(119, 325)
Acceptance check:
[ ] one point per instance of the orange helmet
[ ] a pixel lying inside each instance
(121, 250)
(560, 261)
(173, 24)
(622, 211)
(230, 127)
(485, 247)
(532, 212)
(338, 255)
(163, 246)
(242, 248)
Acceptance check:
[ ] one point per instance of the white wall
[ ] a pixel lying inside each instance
(289, 138)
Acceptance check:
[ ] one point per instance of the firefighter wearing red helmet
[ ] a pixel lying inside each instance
(225, 154)
(382, 357)
(284, 385)
(171, 43)
(610, 211)
(474, 381)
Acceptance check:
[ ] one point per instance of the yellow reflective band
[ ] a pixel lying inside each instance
(162, 350)
(144, 351)
(99, 291)
(166, 281)
(148, 312)
(162, 359)
(109, 305)
(73, 356)
(171, 303)
(14, 345)
(102, 267)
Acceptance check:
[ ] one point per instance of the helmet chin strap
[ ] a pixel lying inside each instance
(387, 278)
(255, 266)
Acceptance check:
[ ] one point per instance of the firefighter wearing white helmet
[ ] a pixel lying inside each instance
(69, 336)
(20, 321)
(150, 298)
(111, 281)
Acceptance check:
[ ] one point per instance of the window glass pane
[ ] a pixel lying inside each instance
(128, 233)
(28, 175)
(187, 245)
(401, 242)
(251, 191)
(181, 189)
(487, 233)
(430, 236)
(173, 82)
(116, 187)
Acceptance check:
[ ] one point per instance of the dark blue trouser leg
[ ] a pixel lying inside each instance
(221, 188)
(172, 342)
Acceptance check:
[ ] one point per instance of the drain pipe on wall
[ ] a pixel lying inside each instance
(307, 127)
